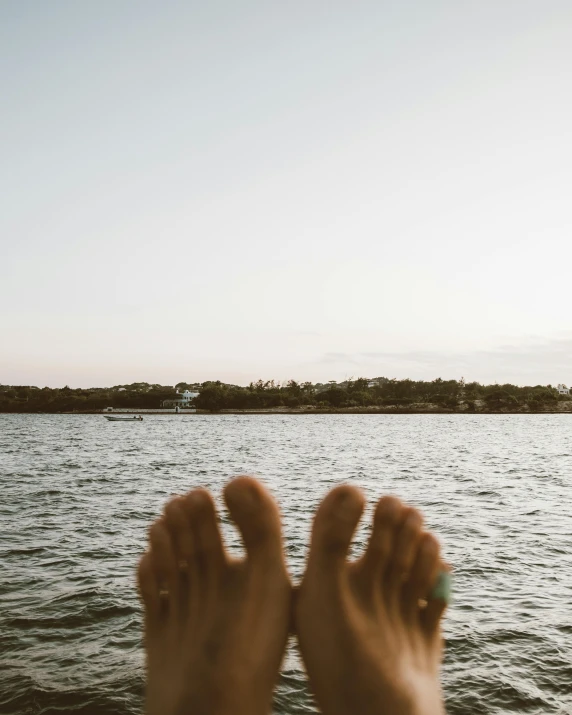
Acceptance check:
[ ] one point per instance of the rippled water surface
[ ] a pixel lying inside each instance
(77, 494)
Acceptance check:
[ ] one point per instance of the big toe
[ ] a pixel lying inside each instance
(334, 525)
(256, 514)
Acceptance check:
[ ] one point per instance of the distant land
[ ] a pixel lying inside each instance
(361, 395)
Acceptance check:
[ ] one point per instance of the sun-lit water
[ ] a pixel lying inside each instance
(77, 494)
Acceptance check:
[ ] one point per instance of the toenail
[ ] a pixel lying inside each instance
(413, 520)
(344, 507)
(387, 509)
(156, 533)
(443, 587)
(429, 547)
(248, 497)
(198, 499)
(172, 509)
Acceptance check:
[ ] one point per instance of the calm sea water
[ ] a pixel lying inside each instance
(77, 494)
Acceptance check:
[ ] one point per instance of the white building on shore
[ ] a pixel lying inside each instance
(562, 390)
(181, 399)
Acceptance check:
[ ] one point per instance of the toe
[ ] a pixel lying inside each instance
(179, 526)
(334, 525)
(163, 561)
(201, 511)
(386, 516)
(406, 540)
(255, 513)
(180, 530)
(432, 614)
(148, 587)
(422, 576)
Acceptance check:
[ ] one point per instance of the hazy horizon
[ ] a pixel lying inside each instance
(302, 191)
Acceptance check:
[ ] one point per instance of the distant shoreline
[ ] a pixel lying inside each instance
(429, 410)
(360, 396)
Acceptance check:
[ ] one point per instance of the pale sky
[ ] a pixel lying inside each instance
(308, 190)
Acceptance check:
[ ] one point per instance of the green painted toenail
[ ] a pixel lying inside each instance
(443, 587)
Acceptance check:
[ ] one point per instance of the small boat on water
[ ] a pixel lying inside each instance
(135, 418)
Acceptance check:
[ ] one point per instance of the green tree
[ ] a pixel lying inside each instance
(334, 396)
(359, 385)
(211, 398)
(498, 399)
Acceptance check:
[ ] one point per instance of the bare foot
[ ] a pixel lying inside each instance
(215, 627)
(370, 643)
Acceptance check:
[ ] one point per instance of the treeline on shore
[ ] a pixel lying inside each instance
(380, 392)
(359, 393)
(138, 395)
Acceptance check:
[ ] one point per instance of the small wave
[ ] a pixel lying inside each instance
(73, 526)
